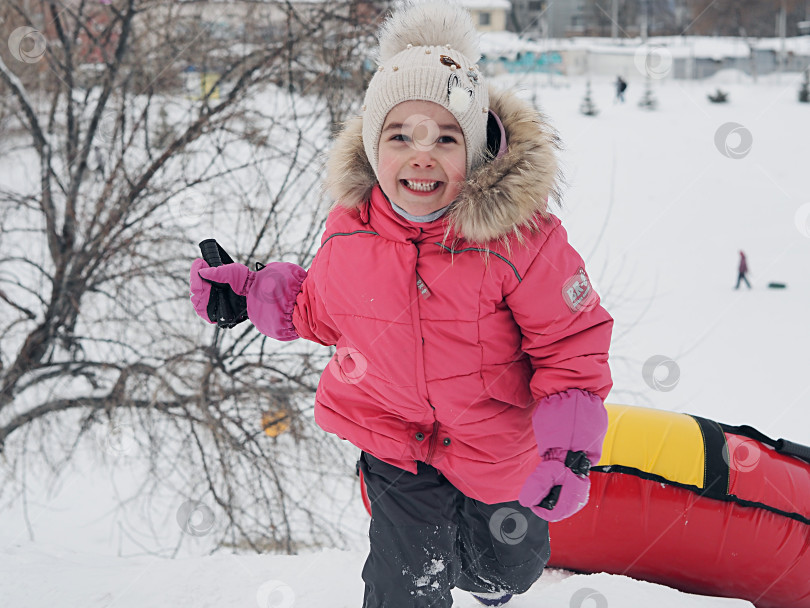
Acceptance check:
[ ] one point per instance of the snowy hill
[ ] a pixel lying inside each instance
(659, 209)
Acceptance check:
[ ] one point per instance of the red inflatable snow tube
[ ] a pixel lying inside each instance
(696, 505)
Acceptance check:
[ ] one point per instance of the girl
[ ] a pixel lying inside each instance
(471, 350)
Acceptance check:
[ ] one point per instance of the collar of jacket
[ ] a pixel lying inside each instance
(499, 200)
(379, 215)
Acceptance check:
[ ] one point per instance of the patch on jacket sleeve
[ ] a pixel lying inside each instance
(578, 293)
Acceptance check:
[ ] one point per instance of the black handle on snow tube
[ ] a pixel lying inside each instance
(550, 501)
(576, 461)
(783, 446)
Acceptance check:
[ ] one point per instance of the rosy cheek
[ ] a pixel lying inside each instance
(386, 163)
(457, 177)
(457, 168)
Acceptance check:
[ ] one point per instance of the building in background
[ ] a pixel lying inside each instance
(489, 15)
(641, 18)
(541, 18)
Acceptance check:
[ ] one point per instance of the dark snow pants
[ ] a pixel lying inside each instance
(427, 537)
(742, 277)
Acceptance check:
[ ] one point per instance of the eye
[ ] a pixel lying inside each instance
(400, 137)
(447, 139)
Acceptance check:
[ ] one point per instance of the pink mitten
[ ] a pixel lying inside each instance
(271, 294)
(569, 427)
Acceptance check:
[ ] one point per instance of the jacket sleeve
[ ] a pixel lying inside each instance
(309, 316)
(565, 331)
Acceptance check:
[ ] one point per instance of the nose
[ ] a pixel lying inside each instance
(422, 158)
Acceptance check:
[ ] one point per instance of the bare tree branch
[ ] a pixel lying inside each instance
(133, 169)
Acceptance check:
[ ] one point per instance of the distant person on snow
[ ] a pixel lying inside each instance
(621, 87)
(471, 359)
(743, 270)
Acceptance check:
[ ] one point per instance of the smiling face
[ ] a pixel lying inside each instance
(422, 157)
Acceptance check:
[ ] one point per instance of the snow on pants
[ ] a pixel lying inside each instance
(427, 537)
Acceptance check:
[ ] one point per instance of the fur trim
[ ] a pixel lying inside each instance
(504, 196)
(349, 175)
(429, 24)
(500, 199)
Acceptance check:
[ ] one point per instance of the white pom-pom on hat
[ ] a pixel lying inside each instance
(429, 24)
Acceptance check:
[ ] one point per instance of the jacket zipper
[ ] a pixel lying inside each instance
(434, 437)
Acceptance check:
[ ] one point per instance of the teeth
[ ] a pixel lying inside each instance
(421, 186)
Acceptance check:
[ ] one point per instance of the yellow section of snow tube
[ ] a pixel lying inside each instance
(654, 441)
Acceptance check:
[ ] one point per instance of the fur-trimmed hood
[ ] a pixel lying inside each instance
(499, 199)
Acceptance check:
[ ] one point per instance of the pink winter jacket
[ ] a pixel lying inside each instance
(449, 333)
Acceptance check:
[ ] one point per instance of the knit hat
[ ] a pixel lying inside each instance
(428, 51)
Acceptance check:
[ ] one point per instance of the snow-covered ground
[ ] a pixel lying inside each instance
(659, 206)
(51, 576)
